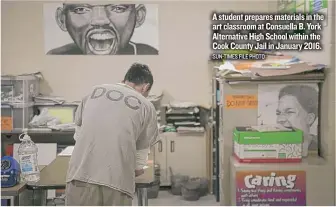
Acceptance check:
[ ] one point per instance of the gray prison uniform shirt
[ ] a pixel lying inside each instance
(115, 121)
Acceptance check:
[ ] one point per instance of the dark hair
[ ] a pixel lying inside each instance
(139, 74)
(307, 96)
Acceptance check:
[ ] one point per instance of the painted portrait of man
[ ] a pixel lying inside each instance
(101, 29)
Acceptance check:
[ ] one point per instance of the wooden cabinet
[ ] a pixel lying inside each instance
(185, 154)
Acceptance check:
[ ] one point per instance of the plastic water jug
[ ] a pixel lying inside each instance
(28, 159)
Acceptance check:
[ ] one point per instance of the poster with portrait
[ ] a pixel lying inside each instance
(100, 29)
(291, 105)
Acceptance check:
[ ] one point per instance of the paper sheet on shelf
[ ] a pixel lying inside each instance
(270, 128)
(288, 69)
(67, 151)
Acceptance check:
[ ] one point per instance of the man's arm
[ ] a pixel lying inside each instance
(78, 117)
(147, 137)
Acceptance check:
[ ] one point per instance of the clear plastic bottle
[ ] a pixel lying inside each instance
(28, 159)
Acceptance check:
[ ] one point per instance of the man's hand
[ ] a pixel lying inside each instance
(139, 172)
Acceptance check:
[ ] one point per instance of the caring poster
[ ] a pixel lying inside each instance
(271, 188)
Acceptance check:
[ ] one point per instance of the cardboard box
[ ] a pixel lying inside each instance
(252, 146)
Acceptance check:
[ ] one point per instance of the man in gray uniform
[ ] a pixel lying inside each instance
(117, 127)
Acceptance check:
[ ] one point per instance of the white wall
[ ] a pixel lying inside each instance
(180, 69)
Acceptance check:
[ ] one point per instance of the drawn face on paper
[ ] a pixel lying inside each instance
(290, 113)
(100, 29)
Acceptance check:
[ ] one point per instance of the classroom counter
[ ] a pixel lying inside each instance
(51, 180)
(13, 193)
(53, 177)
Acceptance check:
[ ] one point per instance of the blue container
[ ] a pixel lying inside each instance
(10, 172)
(5, 202)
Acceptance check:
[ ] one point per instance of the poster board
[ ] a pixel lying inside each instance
(292, 105)
(83, 28)
(271, 188)
(6, 123)
(241, 101)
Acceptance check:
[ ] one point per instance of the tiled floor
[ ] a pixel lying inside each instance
(167, 199)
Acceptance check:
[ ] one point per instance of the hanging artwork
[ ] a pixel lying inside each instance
(291, 105)
(101, 29)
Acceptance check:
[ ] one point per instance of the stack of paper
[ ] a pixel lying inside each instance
(67, 151)
(271, 128)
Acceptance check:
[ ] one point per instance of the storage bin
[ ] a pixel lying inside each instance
(65, 112)
(19, 89)
(252, 146)
(176, 183)
(204, 186)
(15, 117)
(157, 170)
(153, 191)
(191, 190)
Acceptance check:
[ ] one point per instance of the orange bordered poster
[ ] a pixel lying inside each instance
(241, 101)
(6, 123)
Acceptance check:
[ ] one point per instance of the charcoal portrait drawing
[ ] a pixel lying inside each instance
(292, 105)
(101, 29)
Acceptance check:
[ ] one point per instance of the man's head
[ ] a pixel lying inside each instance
(297, 107)
(140, 78)
(100, 29)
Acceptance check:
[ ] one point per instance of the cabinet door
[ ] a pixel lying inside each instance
(186, 154)
(161, 159)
